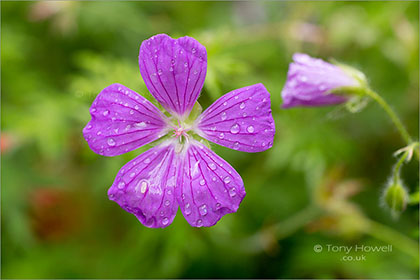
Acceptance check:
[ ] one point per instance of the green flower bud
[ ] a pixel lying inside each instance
(395, 197)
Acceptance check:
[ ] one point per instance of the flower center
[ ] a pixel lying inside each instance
(180, 132)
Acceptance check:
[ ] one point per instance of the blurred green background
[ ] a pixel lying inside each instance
(321, 182)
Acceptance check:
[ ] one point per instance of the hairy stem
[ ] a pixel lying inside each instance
(394, 118)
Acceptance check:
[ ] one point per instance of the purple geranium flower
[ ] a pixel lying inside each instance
(180, 170)
(310, 81)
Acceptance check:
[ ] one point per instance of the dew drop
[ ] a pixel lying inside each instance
(132, 174)
(244, 115)
(167, 202)
(121, 185)
(202, 182)
(143, 186)
(140, 124)
(236, 146)
(105, 113)
(236, 97)
(214, 179)
(147, 160)
(263, 144)
(111, 142)
(165, 221)
(235, 128)
(212, 166)
(160, 72)
(226, 180)
(221, 135)
(218, 205)
(303, 78)
(199, 223)
(250, 129)
(89, 127)
(232, 192)
(224, 103)
(203, 210)
(131, 112)
(187, 209)
(242, 106)
(224, 116)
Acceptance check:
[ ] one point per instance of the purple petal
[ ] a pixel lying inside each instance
(240, 120)
(310, 79)
(174, 71)
(122, 120)
(207, 186)
(145, 186)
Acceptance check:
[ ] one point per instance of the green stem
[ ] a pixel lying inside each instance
(394, 118)
(398, 166)
(388, 235)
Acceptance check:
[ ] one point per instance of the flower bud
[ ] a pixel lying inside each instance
(395, 197)
(314, 82)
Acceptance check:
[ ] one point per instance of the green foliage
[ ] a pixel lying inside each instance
(319, 184)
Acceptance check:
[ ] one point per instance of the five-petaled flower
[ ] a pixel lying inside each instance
(180, 171)
(312, 81)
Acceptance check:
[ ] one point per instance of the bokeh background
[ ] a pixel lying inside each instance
(321, 182)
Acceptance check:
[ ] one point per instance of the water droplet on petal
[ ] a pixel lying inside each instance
(232, 192)
(147, 160)
(250, 129)
(143, 186)
(214, 179)
(221, 135)
(199, 223)
(226, 180)
(160, 72)
(212, 166)
(121, 185)
(131, 112)
(236, 146)
(263, 144)
(165, 221)
(242, 106)
(235, 128)
(203, 210)
(132, 174)
(202, 182)
(223, 116)
(140, 124)
(167, 202)
(111, 142)
(224, 103)
(105, 113)
(187, 209)
(218, 205)
(303, 78)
